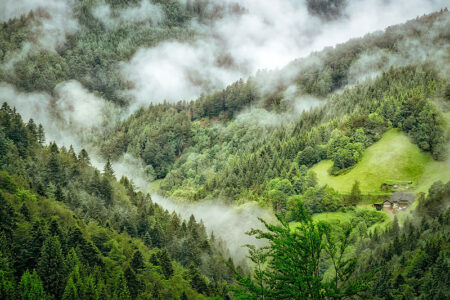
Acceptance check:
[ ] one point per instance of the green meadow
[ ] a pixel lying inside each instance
(393, 158)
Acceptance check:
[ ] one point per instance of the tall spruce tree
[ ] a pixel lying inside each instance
(30, 287)
(51, 267)
(107, 169)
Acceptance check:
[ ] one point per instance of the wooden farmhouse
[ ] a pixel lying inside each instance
(397, 201)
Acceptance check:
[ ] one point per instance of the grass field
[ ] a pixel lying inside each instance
(369, 216)
(392, 158)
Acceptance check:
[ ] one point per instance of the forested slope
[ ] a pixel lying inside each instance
(91, 54)
(214, 147)
(71, 231)
(68, 231)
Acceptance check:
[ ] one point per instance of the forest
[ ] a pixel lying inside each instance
(115, 184)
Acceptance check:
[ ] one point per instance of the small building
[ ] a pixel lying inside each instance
(402, 204)
(388, 203)
(397, 201)
(402, 200)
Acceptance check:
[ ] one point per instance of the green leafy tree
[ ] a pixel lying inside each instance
(292, 262)
(278, 192)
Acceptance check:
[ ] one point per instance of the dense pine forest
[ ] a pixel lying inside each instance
(163, 150)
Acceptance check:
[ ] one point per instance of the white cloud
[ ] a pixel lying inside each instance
(54, 19)
(265, 34)
(144, 12)
(176, 71)
(69, 117)
(78, 107)
(227, 222)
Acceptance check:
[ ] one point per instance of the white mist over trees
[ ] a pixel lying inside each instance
(259, 35)
(180, 123)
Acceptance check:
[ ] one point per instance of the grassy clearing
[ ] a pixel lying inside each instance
(369, 216)
(392, 158)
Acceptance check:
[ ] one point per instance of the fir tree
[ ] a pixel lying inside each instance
(51, 267)
(165, 263)
(83, 157)
(137, 262)
(41, 135)
(108, 170)
(70, 291)
(33, 129)
(7, 286)
(355, 194)
(132, 282)
(121, 291)
(30, 286)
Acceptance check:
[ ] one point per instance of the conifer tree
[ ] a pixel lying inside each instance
(89, 288)
(121, 291)
(51, 267)
(197, 281)
(137, 262)
(165, 263)
(41, 135)
(32, 128)
(84, 157)
(7, 217)
(132, 282)
(7, 286)
(355, 194)
(107, 169)
(30, 286)
(70, 291)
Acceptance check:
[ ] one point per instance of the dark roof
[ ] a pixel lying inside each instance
(399, 196)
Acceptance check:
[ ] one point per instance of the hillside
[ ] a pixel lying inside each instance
(69, 231)
(232, 143)
(392, 158)
(223, 149)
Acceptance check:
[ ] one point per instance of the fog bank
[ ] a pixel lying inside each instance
(253, 35)
(227, 222)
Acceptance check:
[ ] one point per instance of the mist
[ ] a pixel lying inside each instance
(429, 47)
(227, 222)
(69, 117)
(145, 11)
(249, 36)
(52, 23)
(260, 35)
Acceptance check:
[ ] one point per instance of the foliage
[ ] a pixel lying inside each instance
(412, 259)
(87, 236)
(393, 157)
(289, 267)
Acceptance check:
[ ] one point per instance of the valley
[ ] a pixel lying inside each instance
(206, 149)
